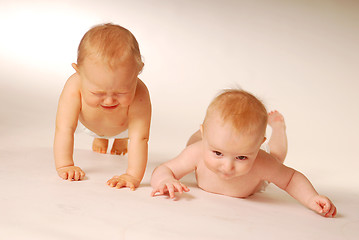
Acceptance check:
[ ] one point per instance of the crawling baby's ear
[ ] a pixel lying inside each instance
(75, 66)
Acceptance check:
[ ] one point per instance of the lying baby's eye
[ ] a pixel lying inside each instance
(219, 154)
(241, 158)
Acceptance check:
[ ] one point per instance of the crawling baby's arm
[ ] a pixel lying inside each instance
(66, 123)
(138, 129)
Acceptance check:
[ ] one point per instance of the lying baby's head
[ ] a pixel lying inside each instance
(241, 109)
(111, 43)
(232, 133)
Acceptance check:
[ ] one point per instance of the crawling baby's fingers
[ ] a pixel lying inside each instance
(112, 182)
(70, 175)
(131, 186)
(77, 175)
(120, 184)
(63, 175)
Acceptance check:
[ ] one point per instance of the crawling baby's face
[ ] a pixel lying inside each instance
(227, 153)
(105, 88)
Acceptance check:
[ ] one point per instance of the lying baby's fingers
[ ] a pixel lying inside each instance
(178, 187)
(154, 191)
(184, 187)
(170, 190)
(332, 212)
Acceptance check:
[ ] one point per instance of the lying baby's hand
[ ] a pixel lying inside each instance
(71, 173)
(170, 186)
(124, 180)
(323, 206)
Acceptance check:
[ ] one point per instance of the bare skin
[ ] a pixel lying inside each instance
(107, 102)
(233, 165)
(119, 146)
(100, 145)
(278, 143)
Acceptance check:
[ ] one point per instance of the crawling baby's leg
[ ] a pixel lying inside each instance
(100, 145)
(278, 141)
(119, 146)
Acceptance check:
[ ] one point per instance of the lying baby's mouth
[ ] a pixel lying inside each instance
(226, 175)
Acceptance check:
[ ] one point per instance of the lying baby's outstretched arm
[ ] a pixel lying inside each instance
(301, 189)
(298, 186)
(165, 178)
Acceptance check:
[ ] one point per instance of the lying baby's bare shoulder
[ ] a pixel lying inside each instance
(265, 165)
(193, 152)
(187, 159)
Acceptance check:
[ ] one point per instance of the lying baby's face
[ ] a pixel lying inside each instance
(228, 153)
(105, 88)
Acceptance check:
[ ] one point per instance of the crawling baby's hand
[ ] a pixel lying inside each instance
(71, 173)
(323, 206)
(124, 180)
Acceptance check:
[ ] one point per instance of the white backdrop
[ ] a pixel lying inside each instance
(300, 57)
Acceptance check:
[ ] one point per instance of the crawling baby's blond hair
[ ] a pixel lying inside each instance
(244, 111)
(112, 43)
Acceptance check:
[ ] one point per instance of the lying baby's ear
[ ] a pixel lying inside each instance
(75, 66)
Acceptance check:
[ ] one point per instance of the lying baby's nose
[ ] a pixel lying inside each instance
(228, 164)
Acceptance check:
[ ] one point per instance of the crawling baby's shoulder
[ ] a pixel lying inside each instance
(73, 82)
(142, 90)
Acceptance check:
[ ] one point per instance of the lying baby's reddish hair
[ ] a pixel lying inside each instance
(244, 111)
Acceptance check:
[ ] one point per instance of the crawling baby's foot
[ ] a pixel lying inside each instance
(276, 119)
(119, 146)
(100, 145)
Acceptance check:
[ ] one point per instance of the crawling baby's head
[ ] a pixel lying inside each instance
(111, 43)
(241, 109)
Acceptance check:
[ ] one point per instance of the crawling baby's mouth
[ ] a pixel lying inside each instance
(109, 107)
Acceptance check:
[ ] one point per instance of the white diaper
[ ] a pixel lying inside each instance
(82, 129)
(264, 184)
(265, 146)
